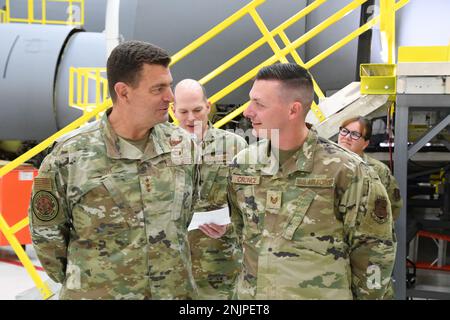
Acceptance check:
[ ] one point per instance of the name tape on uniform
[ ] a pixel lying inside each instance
(245, 179)
(315, 182)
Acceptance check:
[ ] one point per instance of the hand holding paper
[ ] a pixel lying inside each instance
(213, 222)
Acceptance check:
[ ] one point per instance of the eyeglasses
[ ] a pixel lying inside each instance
(355, 135)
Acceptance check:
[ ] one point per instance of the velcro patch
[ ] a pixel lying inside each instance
(174, 141)
(42, 184)
(380, 213)
(245, 179)
(315, 182)
(45, 206)
(273, 200)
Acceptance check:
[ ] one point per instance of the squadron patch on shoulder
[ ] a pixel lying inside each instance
(380, 213)
(45, 206)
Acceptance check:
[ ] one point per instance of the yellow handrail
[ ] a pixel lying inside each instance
(30, 19)
(9, 234)
(102, 102)
(49, 141)
(214, 31)
(84, 100)
(291, 46)
(294, 45)
(3, 16)
(387, 28)
(269, 37)
(255, 45)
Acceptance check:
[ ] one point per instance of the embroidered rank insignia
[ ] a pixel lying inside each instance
(175, 141)
(245, 179)
(273, 200)
(45, 206)
(380, 213)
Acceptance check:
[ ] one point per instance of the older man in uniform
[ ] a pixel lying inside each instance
(215, 262)
(111, 202)
(316, 223)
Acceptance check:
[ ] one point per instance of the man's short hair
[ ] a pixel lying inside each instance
(293, 77)
(127, 60)
(366, 126)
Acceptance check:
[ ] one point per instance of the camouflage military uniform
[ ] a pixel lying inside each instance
(389, 182)
(216, 262)
(391, 186)
(317, 228)
(110, 222)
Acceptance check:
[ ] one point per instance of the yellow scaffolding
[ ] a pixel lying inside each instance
(387, 26)
(387, 15)
(91, 89)
(3, 16)
(9, 233)
(94, 102)
(74, 8)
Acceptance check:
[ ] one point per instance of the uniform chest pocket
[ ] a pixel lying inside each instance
(252, 209)
(181, 197)
(101, 209)
(295, 218)
(214, 184)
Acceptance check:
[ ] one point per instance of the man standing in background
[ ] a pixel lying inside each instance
(215, 262)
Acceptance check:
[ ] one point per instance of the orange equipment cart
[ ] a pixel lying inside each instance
(15, 193)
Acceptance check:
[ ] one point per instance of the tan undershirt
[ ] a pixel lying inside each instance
(283, 155)
(140, 144)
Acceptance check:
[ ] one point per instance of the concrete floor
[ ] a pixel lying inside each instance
(14, 279)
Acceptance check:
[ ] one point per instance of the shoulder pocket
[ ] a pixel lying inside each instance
(46, 204)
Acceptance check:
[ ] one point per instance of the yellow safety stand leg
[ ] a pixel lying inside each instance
(6, 230)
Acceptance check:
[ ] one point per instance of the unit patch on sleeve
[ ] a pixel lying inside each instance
(45, 206)
(380, 213)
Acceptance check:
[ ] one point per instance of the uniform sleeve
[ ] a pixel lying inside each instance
(235, 213)
(393, 192)
(368, 228)
(49, 222)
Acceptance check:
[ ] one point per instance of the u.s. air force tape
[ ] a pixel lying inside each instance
(44, 205)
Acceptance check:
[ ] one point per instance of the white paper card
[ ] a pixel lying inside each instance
(220, 217)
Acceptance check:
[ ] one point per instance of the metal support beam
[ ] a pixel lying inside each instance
(401, 174)
(405, 104)
(428, 136)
